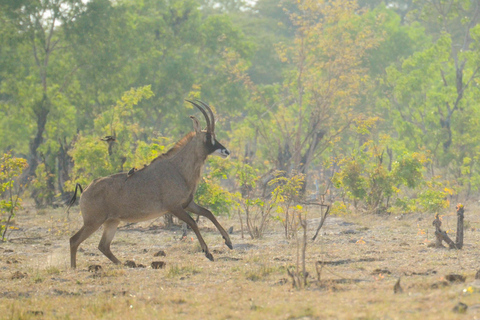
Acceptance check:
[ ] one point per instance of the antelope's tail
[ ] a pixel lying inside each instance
(74, 198)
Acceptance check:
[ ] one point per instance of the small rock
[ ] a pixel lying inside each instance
(91, 254)
(8, 250)
(18, 275)
(158, 264)
(160, 253)
(130, 264)
(94, 268)
(35, 312)
(460, 308)
(141, 266)
(458, 278)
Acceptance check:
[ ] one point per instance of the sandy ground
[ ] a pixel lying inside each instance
(363, 257)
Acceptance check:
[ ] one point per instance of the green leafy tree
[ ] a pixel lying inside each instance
(377, 184)
(286, 196)
(433, 96)
(257, 210)
(37, 83)
(10, 188)
(210, 192)
(94, 158)
(324, 85)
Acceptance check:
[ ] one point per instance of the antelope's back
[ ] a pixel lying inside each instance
(145, 195)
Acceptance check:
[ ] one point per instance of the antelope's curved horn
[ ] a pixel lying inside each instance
(211, 114)
(204, 114)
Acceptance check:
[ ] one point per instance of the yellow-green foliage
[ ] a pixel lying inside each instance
(40, 183)
(145, 152)
(338, 209)
(10, 169)
(365, 178)
(210, 193)
(91, 155)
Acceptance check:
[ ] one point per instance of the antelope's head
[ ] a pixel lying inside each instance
(207, 136)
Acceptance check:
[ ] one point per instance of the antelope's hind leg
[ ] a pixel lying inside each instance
(201, 211)
(184, 216)
(109, 229)
(75, 241)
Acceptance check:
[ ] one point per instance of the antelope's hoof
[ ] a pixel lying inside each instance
(228, 242)
(209, 256)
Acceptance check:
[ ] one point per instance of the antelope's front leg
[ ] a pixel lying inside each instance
(195, 208)
(184, 216)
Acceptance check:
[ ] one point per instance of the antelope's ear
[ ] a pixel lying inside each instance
(196, 124)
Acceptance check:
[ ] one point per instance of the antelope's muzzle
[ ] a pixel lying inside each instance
(222, 152)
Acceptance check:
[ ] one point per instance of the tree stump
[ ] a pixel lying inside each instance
(437, 223)
(442, 235)
(460, 216)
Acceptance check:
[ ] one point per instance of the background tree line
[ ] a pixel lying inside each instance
(374, 103)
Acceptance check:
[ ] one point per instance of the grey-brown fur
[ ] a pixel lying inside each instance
(167, 184)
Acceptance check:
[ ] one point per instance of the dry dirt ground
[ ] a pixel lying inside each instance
(364, 257)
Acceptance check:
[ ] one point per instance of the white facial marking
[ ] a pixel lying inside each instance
(223, 153)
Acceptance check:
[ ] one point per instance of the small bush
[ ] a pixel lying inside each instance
(365, 179)
(10, 202)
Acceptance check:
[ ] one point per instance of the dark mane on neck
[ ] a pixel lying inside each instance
(177, 147)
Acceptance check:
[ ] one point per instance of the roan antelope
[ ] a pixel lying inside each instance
(167, 184)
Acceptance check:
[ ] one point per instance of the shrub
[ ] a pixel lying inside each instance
(365, 179)
(10, 202)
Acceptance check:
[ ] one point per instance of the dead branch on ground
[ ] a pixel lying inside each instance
(441, 235)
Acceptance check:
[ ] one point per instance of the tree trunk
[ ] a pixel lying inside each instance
(65, 163)
(41, 110)
(50, 169)
(308, 158)
(460, 216)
